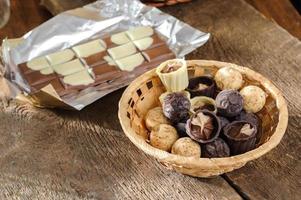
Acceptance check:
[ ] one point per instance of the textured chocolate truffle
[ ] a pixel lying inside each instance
(254, 98)
(186, 147)
(229, 103)
(228, 78)
(154, 117)
(240, 136)
(216, 149)
(201, 86)
(163, 136)
(203, 126)
(176, 106)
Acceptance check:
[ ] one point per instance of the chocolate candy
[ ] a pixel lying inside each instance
(181, 129)
(163, 136)
(240, 136)
(201, 86)
(186, 147)
(159, 53)
(203, 126)
(149, 43)
(216, 149)
(176, 106)
(229, 103)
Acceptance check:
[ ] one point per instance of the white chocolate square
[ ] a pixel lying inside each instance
(120, 38)
(140, 32)
(89, 48)
(79, 78)
(122, 51)
(38, 63)
(131, 62)
(144, 43)
(47, 71)
(60, 56)
(69, 67)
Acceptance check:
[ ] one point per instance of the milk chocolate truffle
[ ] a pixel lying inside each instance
(216, 149)
(202, 103)
(228, 78)
(186, 147)
(203, 126)
(163, 95)
(254, 98)
(240, 136)
(155, 117)
(163, 136)
(176, 107)
(201, 86)
(229, 103)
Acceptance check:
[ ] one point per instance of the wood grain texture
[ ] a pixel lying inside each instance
(244, 37)
(282, 12)
(56, 154)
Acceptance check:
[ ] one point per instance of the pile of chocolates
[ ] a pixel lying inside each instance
(111, 58)
(205, 116)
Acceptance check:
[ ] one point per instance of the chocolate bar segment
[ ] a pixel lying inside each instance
(38, 63)
(60, 57)
(159, 53)
(122, 51)
(105, 72)
(89, 48)
(36, 77)
(116, 39)
(129, 63)
(56, 84)
(140, 32)
(81, 78)
(149, 42)
(95, 58)
(69, 67)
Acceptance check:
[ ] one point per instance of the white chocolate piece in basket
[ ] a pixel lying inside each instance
(254, 98)
(38, 63)
(228, 78)
(174, 81)
(79, 78)
(46, 71)
(131, 62)
(186, 147)
(122, 51)
(155, 117)
(144, 43)
(69, 67)
(89, 48)
(200, 101)
(140, 32)
(163, 136)
(120, 38)
(60, 57)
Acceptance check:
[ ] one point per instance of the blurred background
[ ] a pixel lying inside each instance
(25, 15)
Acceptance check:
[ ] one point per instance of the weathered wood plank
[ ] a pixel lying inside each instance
(244, 37)
(65, 155)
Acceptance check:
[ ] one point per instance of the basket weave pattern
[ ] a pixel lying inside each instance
(143, 95)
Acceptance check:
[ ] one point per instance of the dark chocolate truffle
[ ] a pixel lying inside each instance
(201, 86)
(216, 149)
(176, 107)
(240, 136)
(203, 126)
(229, 103)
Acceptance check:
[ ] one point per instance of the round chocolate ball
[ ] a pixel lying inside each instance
(163, 136)
(229, 103)
(254, 98)
(228, 78)
(186, 147)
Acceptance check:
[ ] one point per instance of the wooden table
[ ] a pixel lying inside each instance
(58, 154)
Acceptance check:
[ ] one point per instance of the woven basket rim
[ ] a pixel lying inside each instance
(207, 163)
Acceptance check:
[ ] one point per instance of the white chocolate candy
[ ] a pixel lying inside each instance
(69, 67)
(140, 32)
(122, 51)
(109, 60)
(144, 43)
(89, 48)
(46, 71)
(38, 63)
(129, 63)
(254, 98)
(228, 78)
(79, 78)
(120, 38)
(60, 57)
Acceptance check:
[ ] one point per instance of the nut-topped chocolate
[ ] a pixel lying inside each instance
(203, 126)
(229, 103)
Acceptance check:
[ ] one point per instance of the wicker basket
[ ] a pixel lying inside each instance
(142, 95)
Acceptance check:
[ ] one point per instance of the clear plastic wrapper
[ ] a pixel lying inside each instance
(93, 21)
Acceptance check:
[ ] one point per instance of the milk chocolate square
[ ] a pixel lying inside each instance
(95, 59)
(160, 53)
(36, 77)
(105, 72)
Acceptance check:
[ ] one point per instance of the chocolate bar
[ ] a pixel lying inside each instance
(101, 63)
